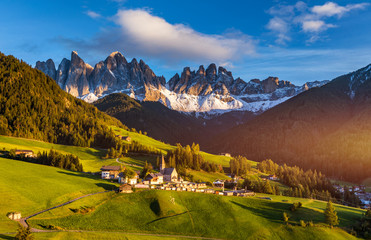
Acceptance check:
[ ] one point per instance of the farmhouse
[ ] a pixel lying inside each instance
(14, 215)
(170, 174)
(270, 177)
(26, 153)
(110, 172)
(154, 178)
(218, 183)
(125, 188)
(125, 138)
(124, 179)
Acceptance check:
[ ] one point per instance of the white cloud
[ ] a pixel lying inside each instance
(93, 14)
(311, 21)
(330, 9)
(316, 26)
(281, 28)
(155, 36)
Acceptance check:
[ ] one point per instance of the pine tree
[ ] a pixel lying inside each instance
(331, 215)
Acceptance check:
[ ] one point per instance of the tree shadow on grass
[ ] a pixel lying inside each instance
(80, 174)
(274, 211)
(161, 218)
(7, 237)
(106, 185)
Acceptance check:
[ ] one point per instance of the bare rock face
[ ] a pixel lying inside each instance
(47, 67)
(113, 74)
(77, 81)
(202, 90)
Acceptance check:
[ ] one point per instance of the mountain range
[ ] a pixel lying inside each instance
(209, 91)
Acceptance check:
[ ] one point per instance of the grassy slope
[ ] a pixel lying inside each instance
(201, 215)
(145, 140)
(27, 188)
(97, 236)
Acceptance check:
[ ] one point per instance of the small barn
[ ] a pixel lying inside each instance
(125, 188)
(26, 153)
(14, 215)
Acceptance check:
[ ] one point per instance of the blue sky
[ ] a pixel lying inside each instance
(297, 41)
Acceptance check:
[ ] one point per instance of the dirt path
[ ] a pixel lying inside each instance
(129, 164)
(24, 223)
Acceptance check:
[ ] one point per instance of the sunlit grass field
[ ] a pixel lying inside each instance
(198, 214)
(28, 188)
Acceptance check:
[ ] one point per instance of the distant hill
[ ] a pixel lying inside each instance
(32, 105)
(165, 124)
(326, 128)
(153, 117)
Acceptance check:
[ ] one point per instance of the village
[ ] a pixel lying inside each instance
(167, 179)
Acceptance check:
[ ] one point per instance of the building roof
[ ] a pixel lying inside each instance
(153, 175)
(125, 186)
(110, 168)
(23, 151)
(168, 171)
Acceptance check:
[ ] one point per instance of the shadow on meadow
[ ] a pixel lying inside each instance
(7, 237)
(274, 211)
(106, 185)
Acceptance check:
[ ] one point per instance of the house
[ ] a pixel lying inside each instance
(170, 174)
(124, 179)
(125, 188)
(209, 191)
(218, 183)
(141, 185)
(110, 172)
(125, 138)
(271, 177)
(228, 193)
(14, 215)
(154, 178)
(226, 154)
(26, 153)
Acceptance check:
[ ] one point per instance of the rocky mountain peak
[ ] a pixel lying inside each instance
(213, 89)
(201, 70)
(211, 71)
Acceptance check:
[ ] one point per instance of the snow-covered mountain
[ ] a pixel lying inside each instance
(206, 92)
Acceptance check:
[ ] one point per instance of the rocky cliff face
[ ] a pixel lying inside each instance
(209, 91)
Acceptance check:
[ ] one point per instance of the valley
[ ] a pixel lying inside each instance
(185, 120)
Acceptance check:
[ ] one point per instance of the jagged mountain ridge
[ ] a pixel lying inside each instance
(207, 91)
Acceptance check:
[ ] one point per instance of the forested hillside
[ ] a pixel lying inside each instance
(152, 117)
(33, 106)
(327, 128)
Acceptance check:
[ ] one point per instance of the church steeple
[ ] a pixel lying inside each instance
(162, 164)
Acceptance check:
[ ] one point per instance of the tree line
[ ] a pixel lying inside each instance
(239, 165)
(189, 157)
(53, 158)
(307, 184)
(122, 148)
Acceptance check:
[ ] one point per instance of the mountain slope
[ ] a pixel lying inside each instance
(32, 105)
(212, 91)
(327, 128)
(152, 117)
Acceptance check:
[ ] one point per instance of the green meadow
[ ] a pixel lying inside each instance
(28, 188)
(198, 214)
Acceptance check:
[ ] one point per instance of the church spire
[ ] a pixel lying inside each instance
(162, 165)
